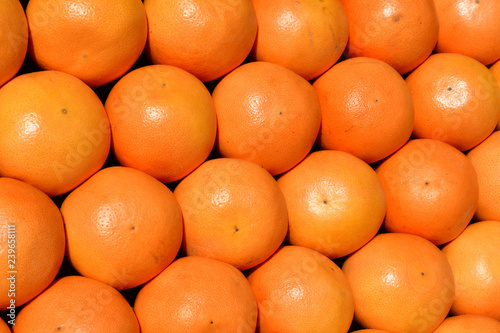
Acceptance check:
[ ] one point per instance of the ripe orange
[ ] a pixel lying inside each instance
(366, 108)
(94, 40)
(301, 290)
(456, 100)
(233, 211)
(469, 324)
(55, 131)
(208, 38)
(162, 120)
(486, 160)
(32, 242)
(123, 227)
(431, 190)
(469, 28)
(197, 294)
(400, 283)
(335, 201)
(305, 36)
(77, 304)
(474, 259)
(402, 33)
(13, 38)
(266, 114)
(369, 330)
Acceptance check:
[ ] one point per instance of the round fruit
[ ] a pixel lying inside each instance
(123, 227)
(94, 40)
(400, 283)
(233, 210)
(55, 131)
(197, 294)
(301, 290)
(469, 324)
(162, 120)
(32, 247)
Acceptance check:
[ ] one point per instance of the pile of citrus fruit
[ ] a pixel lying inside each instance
(250, 166)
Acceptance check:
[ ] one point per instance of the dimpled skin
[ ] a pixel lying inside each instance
(400, 283)
(469, 324)
(208, 38)
(94, 40)
(469, 27)
(233, 211)
(431, 188)
(55, 131)
(402, 33)
(457, 100)
(78, 304)
(474, 259)
(123, 227)
(197, 294)
(307, 37)
(13, 38)
(38, 240)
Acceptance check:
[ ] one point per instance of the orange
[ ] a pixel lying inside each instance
(335, 201)
(431, 189)
(32, 242)
(233, 211)
(163, 121)
(473, 257)
(402, 33)
(207, 38)
(495, 69)
(366, 108)
(486, 160)
(266, 114)
(469, 324)
(469, 28)
(77, 304)
(197, 294)
(369, 330)
(123, 227)
(94, 40)
(400, 283)
(307, 37)
(301, 290)
(456, 100)
(13, 38)
(55, 131)
(4, 328)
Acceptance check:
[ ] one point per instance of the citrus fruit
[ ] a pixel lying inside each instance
(4, 328)
(162, 120)
(456, 100)
(77, 304)
(366, 108)
(335, 201)
(197, 294)
(266, 114)
(301, 290)
(495, 69)
(469, 324)
(473, 257)
(123, 227)
(469, 28)
(32, 247)
(55, 131)
(233, 210)
(13, 38)
(207, 38)
(486, 161)
(400, 283)
(402, 33)
(431, 189)
(305, 36)
(94, 40)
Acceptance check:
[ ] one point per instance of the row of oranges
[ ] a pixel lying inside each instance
(232, 166)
